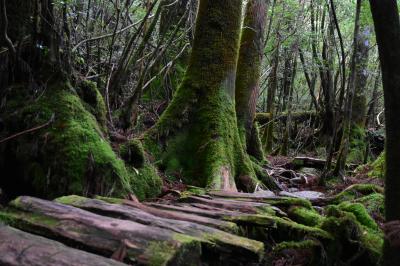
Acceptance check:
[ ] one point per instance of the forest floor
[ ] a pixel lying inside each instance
(300, 225)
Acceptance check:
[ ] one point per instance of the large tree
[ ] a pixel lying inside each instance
(387, 28)
(198, 131)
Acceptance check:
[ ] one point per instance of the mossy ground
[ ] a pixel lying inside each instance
(70, 156)
(377, 168)
(339, 233)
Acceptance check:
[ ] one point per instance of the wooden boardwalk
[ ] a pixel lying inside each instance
(214, 229)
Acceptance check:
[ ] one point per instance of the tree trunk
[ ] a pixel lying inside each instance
(387, 27)
(272, 88)
(198, 131)
(249, 67)
(360, 102)
(345, 142)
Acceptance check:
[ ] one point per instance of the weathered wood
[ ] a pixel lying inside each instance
(18, 248)
(263, 118)
(198, 209)
(221, 242)
(256, 195)
(310, 162)
(244, 205)
(103, 235)
(241, 219)
(222, 225)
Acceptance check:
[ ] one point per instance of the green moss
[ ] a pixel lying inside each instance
(306, 244)
(360, 213)
(148, 180)
(196, 190)
(378, 167)
(305, 216)
(133, 153)
(94, 102)
(358, 145)
(356, 191)
(190, 254)
(198, 133)
(299, 231)
(16, 219)
(287, 202)
(350, 233)
(374, 203)
(71, 156)
(160, 253)
(198, 155)
(70, 200)
(110, 200)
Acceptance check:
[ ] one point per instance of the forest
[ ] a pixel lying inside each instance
(199, 132)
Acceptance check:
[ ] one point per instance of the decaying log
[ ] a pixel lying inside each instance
(18, 248)
(103, 235)
(309, 162)
(263, 118)
(221, 242)
(222, 225)
(243, 205)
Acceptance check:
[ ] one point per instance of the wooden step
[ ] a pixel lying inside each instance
(221, 241)
(103, 235)
(18, 248)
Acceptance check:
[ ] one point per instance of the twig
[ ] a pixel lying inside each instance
(106, 35)
(5, 28)
(29, 130)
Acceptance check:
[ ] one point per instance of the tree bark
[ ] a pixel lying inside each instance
(249, 65)
(198, 131)
(387, 28)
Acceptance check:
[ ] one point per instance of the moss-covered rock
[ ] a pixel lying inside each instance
(70, 156)
(360, 213)
(374, 204)
(133, 153)
(305, 216)
(357, 239)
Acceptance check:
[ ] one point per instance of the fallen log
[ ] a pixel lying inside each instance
(222, 225)
(244, 248)
(18, 248)
(103, 235)
(299, 117)
(248, 207)
(309, 162)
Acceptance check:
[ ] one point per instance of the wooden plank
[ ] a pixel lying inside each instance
(18, 248)
(245, 206)
(252, 220)
(219, 224)
(139, 244)
(221, 242)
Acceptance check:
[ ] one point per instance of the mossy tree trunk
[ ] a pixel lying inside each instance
(68, 151)
(387, 27)
(198, 131)
(249, 68)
